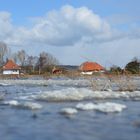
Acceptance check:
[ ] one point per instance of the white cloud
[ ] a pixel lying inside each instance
(117, 52)
(80, 31)
(71, 25)
(64, 27)
(5, 25)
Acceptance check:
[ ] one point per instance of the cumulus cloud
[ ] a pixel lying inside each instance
(64, 27)
(5, 25)
(78, 29)
(70, 25)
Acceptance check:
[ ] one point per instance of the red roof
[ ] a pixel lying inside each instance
(91, 66)
(11, 65)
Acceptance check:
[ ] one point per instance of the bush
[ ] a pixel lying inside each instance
(133, 66)
(116, 70)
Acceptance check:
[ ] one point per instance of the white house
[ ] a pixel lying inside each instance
(11, 68)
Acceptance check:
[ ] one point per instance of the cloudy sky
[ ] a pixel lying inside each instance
(74, 31)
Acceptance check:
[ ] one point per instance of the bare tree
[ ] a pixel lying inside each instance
(51, 60)
(46, 59)
(21, 55)
(32, 61)
(15, 57)
(3, 52)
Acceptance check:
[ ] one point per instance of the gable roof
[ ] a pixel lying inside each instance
(11, 65)
(91, 66)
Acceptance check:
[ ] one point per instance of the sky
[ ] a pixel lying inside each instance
(74, 31)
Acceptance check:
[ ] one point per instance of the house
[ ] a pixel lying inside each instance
(11, 68)
(90, 67)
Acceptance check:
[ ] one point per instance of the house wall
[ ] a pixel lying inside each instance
(87, 73)
(90, 72)
(10, 71)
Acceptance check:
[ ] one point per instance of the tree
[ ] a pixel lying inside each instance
(51, 60)
(133, 66)
(3, 52)
(21, 55)
(15, 57)
(46, 59)
(32, 62)
(115, 69)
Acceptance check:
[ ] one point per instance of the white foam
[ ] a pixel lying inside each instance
(66, 94)
(77, 94)
(50, 82)
(110, 107)
(24, 105)
(31, 105)
(97, 84)
(12, 103)
(23, 82)
(69, 82)
(4, 84)
(107, 107)
(68, 111)
(88, 106)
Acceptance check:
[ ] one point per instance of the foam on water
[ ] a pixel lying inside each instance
(31, 105)
(110, 107)
(66, 94)
(23, 82)
(4, 84)
(64, 82)
(11, 103)
(64, 90)
(23, 105)
(102, 83)
(69, 82)
(77, 94)
(68, 111)
(87, 106)
(107, 107)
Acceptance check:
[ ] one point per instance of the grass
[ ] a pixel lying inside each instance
(106, 82)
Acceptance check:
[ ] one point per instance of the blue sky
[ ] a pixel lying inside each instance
(93, 29)
(27, 8)
(22, 9)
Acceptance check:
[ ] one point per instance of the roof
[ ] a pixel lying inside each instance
(91, 66)
(11, 65)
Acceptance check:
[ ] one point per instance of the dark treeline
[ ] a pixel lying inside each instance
(29, 63)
